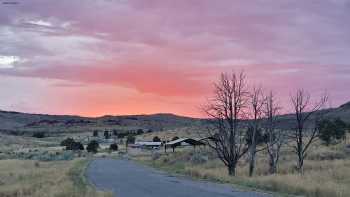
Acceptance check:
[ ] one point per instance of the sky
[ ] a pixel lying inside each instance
(97, 57)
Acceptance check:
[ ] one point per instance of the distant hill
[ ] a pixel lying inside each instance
(287, 121)
(24, 123)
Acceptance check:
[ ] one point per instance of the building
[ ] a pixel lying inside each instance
(152, 145)
(184, 142)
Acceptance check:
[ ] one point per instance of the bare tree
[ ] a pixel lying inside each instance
(225, 110)
(275, 137)
(256, 103)
(305, 131)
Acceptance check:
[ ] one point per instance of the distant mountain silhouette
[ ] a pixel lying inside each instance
(23, 123)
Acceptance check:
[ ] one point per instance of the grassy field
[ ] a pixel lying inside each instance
(45, 179)
(327, 170)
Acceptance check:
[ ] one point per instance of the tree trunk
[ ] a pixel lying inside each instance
(300, 164)
(272, 166)
(252, 160)
(232, 169)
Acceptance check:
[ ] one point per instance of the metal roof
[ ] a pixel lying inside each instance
(148, 143)
(187, 140)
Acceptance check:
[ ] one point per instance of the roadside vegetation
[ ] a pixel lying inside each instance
(326, 170)
(45, 179)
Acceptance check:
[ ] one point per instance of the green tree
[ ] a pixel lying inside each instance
(107, 134)
(340, 132)
(259, 136)
(75, 146)
(113, 147)
(92, 146)
(67, 142)
(139, 131)
(130, 139)
(39, 134)
(332, 132)
(175, 138)
(326, 128)
(156, 139)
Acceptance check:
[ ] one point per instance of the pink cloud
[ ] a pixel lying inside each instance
(176, 49)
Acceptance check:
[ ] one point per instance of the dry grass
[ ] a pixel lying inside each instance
(19, 178)
(183, 132)
(327, 171)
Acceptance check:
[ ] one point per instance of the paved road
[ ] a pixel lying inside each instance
(128, 179)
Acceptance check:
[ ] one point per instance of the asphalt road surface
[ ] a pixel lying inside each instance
(128, 179)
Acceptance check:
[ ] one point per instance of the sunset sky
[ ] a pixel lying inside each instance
(97, 57)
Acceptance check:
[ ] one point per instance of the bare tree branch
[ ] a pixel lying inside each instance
(225, 110)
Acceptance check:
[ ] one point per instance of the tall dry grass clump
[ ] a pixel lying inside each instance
(22, 178)
(327, 171)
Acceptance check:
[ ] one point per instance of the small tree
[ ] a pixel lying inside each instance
(340, 133)
(156, 139)
(331, 132)
(92, 146)
(139, 131)
(275, 138)
(130, 139)
(75, 146)
(259, 138)
(175, 138)
(304, 133)
(39, 134)
(256, 103)
(106, 134)
(67, 142)
(326, 128)
(113, 147)
(225, 110)
(122, 135)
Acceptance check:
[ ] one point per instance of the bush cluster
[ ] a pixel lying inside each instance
(130, 139)
(156, 139)
(39, 134)
(93, 146)
(41, 155)
(113, 147)
(332, 131)
(70, 144)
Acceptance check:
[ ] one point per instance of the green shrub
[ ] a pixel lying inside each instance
(175, 138)
(331, 132)
(92, 146)
(139, 131)
(106, 134)
(76, 146)
(47, 156)
(156, 139)
(113, 147)
(95, 133)
(70, 144)
(67, 142)
(130, 139)
(39, 135)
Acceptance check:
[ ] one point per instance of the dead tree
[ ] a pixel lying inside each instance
(225, 110)
(305, 131)
(256, 103)
(275, 137)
